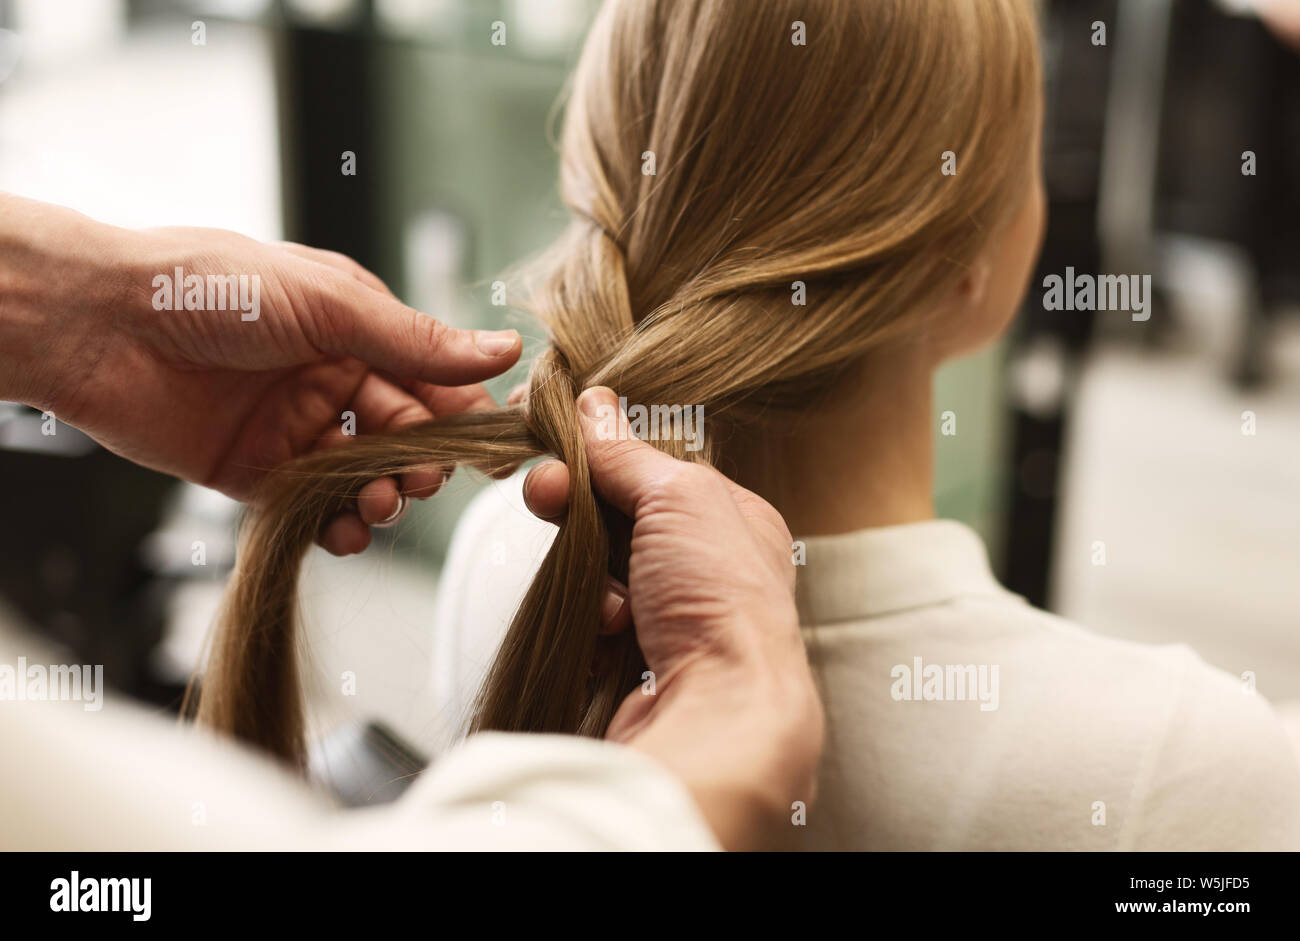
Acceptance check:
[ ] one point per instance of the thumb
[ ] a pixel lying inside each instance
(360, 322)
(623, 467)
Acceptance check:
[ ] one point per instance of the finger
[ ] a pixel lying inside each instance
(623, 461)
(615, 612)
(379, 406)
(546, 494)
(350, 319)
(546, 490)
(379, 501)
(518, 398)
(403, 504)
(622, 466)
(308, 403)
(624, 469)
(338, 261)
(632, 714)
(422, 484)
(345, 535)
(382, 406)
(452, 400)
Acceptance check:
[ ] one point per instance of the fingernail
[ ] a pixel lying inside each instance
(528, 486)
(592, 399)
(495, 342)
(403, 503)
(613, 603)
(528, 490)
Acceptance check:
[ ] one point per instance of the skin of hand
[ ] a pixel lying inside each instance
(735, 713)
(210, 397)
(1283, 18)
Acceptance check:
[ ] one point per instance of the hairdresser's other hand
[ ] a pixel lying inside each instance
(1283, 18)
(734, 713)
(218, 397)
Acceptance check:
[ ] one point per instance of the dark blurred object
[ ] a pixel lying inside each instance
(1164, 110)
(1233, 87)
(70, 565)
(1078, 79)
(329, 104)
(365, 763)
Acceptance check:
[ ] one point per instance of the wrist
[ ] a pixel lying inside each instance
(20, 324)
(744, 742)
(59, 286)
(728, 772)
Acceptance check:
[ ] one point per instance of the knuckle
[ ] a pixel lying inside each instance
(699, 479)
(680, 482)
(354, 268)
(778, 524)
(620, 454)
(430, 334)
(342, 261)
(323, 300)
(409, 414)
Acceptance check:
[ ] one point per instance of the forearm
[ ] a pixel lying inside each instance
(181, 791)
(546, 792)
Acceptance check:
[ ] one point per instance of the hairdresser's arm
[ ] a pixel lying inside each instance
(218, 397)
(122, 779)
(734, 715)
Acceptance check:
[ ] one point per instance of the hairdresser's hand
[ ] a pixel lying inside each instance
(219, 397)
(1283, 18)
(734, 714)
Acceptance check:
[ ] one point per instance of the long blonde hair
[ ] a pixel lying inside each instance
(790, 141)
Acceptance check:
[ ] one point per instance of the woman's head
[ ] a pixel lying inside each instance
(759, 201)
(715, 153)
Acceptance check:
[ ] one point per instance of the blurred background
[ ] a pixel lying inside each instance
(1140, 477)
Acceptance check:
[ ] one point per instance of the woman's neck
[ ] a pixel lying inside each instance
(860, 461)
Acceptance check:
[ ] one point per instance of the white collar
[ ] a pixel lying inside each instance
(871, 572)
